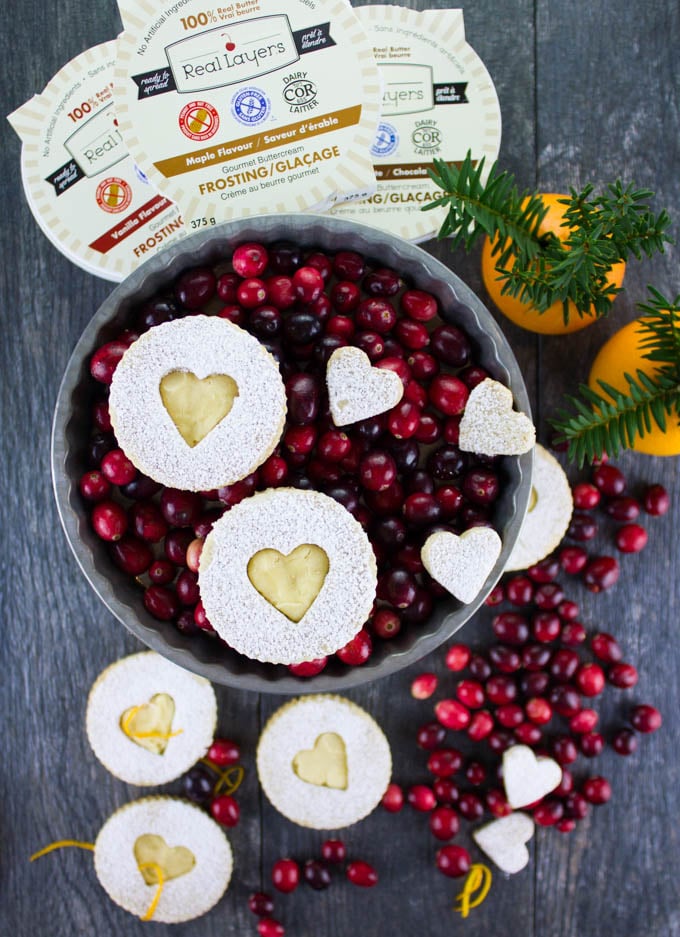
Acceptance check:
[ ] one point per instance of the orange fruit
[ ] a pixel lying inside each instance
(550, 322)
(621, 354)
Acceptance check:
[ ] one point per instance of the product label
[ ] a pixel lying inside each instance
(221, 106)
(438, 102)
(86, 192)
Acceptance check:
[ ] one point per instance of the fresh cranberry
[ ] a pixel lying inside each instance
(583, 722)
(549, 812)
(519, 590)
(377, 470)
(393, 798)
(510, 716)
(625, 742)
(375, 315)
(480, 726)
(333, 851)
(500, 740)
(592, 744)
(528, 734)
(564, 665)
(412, 335)
(109, 520)
(386, 623)
(225, 810)
(582, 527)
(195, 287)
(250, 259)
(424, 685)
(481, 486)
(447, 463)
(452, 714)
(156, 312)
(505, 659)
(497, 804)
(131, 555)
(457, 657)
(565, 700)
(223, 752)
(160, 602)
(445, 791)
(590, 679)
(141, 488)
(349, 265)
(546, 626)
(371, 344)
(419, 305)
(362, 874)
(444, 823)
(501, 689)
(609, 480)
(568, 610)
(444, 762)
(655, 500)
(539, 711)
(308, 668)
(357, 651)
(105, 361)
(451, 345)
(545, 570)
(421, 798)
(201, 619)
(606, 647)
(423, 365)
(176, 544)
(161, 572)
(234, 313)
(597, 790)
(573, 560)
(475, 773)
(511, 628)
(631, 538)
(586, 496)
(268, 927)
(404, 420)
(382, 282)
(534, 658)
(470, 694)
(574, 633)
(622, 675)
(285, 875)
(534, 683)
(576, 806)
(260, 904)
(645, 718)
(93, 486)
(180, 508)
(472, 376)
(449, 394)
(453, 861)
(623, 508)
(416, 393)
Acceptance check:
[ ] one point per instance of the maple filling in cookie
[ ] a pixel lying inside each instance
(382, 407)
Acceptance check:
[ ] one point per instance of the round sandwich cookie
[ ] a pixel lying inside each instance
(197, 403)
(148, 720)
(323, 762)
(548, 514)
(163, 859)
(287, 576)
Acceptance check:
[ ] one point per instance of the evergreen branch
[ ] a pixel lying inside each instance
(612, 420)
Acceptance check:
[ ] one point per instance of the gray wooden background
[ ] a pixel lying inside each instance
(589, 90)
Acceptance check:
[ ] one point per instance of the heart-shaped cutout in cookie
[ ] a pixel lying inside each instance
(290, 583)
(527, 778)
(153, 853)
(489, 424)
(197, 405)
(357, 390)
(150, 725)
(504, 841)
(461, 563)
(324, 765)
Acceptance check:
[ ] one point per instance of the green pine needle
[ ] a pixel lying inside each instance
(539, 269)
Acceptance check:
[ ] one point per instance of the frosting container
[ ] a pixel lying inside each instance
(239, 110)
(85, 191)
(438, 101)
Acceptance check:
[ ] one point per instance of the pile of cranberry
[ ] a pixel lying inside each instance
(212, 782)
(401, 474)
(533, 684)
(286, 876)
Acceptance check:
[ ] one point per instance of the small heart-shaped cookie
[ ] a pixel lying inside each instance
(324, 765)
(290, 583)
(153, 853)
(504, 841)
(196, 405)
(150, 725)
(461, 563)
(357, 390)
(527, 778)
(490, 426)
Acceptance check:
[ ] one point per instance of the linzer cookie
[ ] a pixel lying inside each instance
(287, 576)
(438, 101)
(247, 109)
(87, 194)
(323, 762)
(148, 721)
(197, 403)
(163, 859)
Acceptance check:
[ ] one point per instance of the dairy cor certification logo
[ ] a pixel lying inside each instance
(113, 194)
(199, 120)
(386, 140)
(426, 137)
(250, 106)
(299, 93)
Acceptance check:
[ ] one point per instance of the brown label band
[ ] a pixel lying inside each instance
(256, 143)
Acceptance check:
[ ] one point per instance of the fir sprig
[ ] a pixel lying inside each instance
(609, 420)
(539, 268)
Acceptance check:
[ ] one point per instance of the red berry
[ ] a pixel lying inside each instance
(357, 651)
(573, 560)
(622, 675)
(362, 874)
(609, 480)
(444, 762)
(624, 742)
(260, 904)
(457, 657)
(444, 823)
(224, 752)
(393, 798)
(117, 468)
(590, 679)
(497, 804)
(225, 810)
(268, 927)
(592, 744)
(449, 394)
(631, 538)
(597, 790)
(419, 305)
(93, 486)
(105, 361)
(519, 590)
(249, 259)
(453, 861)
(424, 686)
(539, 711)
(470, 694)
(308, 668)
(481, 725)
(656, 500)
(421, 798)
(586, 496)
(606, 647)
(583, 721)
(334, 851)
(645, 718)
(452, 714)
(109, 520)
(285, 875)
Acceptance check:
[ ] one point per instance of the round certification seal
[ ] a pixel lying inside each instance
(250, 106)
(386, 140)
(199, 120)
(113, 195)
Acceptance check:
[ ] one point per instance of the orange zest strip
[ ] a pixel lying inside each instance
(125, 726)
(228, 781)
(479, 881)
(61, 844)
(159, 888)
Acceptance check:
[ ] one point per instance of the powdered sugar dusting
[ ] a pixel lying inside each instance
(490, 426)
(132, 681)
(203, 345)
(461, 564)
(357, 390)
(180, 824)
(295, 727)
(282, 520)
